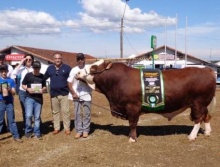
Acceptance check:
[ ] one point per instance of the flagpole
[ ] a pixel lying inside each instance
(165, 46)
(175, 43)
(186, 44)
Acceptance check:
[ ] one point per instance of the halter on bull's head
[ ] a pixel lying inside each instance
(87, 74)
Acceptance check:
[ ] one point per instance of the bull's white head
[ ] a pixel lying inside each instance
(85, 74)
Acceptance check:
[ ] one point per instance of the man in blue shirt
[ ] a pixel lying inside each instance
(7, 90)
(58, 74)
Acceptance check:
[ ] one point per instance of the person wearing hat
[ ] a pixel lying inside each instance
(24, 67)
(7, 91)
(35, 86)
(80, 93)
(10, 68)
(9, 74)
(58, 74)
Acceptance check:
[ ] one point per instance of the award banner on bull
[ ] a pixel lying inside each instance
(152, 89)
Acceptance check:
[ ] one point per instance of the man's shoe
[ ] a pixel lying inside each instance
(28, 135)
(56, 132)
(18, 140)
(85, 134)
(67, 132)
(39, 137)
(78, 135)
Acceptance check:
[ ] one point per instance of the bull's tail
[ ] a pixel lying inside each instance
(211, 107)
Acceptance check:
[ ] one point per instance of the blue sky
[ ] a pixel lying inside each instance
(93, 26)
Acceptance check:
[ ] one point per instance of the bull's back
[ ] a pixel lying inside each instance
(183, 86)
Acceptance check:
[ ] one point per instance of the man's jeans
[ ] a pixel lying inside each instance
(33, 108)
(9, 108)
(82, 112)
(22, 96)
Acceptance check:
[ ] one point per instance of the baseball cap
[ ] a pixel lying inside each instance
(3, 67)
(36, 64)
(80, 56)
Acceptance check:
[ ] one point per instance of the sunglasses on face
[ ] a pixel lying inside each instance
(80, 59)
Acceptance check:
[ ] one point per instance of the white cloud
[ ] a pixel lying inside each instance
(98, 16)
(106, 15)
(24, 22)
(16, 22)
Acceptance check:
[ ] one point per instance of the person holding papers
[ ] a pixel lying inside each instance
(35, 86)
(7, 91)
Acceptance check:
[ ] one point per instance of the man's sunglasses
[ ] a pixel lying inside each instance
(82, 59)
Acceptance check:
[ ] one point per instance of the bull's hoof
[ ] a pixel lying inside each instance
(191, 138)
(207, 134)
(131, 140)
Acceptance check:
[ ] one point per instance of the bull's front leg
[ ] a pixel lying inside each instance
(194, 132)
(133, 130)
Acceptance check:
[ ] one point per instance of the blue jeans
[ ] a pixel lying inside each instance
(82, 116)
(9, 108)
(33, 108)
(22, 96)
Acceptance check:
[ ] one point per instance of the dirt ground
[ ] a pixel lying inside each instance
(161, 143)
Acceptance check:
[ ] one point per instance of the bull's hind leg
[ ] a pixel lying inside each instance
(198, 115)
(208, 117)
(207, 129)
(207, 125)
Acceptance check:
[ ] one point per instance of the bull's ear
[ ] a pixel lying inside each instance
(108, 66)
(93, 69)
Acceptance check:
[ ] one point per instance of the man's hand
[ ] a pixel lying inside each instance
(75, 96)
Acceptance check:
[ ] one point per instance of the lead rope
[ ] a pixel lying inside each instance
(115, 112)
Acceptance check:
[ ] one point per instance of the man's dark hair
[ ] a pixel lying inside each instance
(2, 55)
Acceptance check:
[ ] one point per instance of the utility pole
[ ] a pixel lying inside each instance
(122, 31)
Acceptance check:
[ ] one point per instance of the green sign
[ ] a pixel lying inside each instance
(139, 66)
(153, 41)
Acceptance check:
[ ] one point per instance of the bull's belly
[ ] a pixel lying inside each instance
(171, 115)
